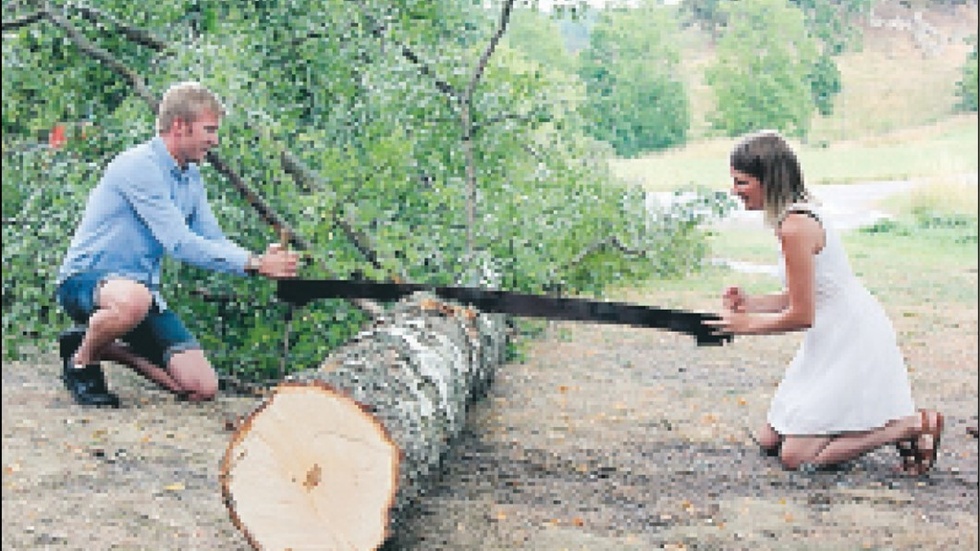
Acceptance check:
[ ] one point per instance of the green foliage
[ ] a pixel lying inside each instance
(538, 36)
(966, 89)
(825, 84)
(835, 26)
(762, 74)
(635, 99)
(902, 257)
(367, 95)
(49, 185)
(953, 228)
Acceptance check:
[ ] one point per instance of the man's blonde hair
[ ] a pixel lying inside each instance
(186, 101)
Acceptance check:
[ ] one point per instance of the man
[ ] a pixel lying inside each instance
(150, 202)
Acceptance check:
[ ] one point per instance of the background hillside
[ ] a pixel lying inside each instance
(902, 76)
(895, 117)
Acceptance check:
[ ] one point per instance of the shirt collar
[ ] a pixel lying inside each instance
(159, 149)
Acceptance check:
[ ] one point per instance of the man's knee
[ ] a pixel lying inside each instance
(193, 372)
(199, 389)
(129, 300)
(207, 388)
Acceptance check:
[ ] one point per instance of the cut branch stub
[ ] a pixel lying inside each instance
(319, 473)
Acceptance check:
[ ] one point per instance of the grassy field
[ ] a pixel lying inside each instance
(943, 150)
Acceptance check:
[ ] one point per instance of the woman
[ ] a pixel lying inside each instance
(846, 392)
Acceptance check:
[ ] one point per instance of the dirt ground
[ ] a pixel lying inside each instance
(603, 438)
(611, 438)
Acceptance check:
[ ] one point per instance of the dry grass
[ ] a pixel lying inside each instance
(892, 85)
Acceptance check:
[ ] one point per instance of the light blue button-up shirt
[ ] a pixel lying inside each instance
(144, 207)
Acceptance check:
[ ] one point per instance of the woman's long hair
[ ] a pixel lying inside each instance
(766, 156)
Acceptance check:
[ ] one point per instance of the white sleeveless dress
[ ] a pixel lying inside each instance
(848, 374)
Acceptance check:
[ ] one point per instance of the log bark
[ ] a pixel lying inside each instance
(337, 454)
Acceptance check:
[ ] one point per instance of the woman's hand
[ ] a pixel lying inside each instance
(733, 300)
(731, 322)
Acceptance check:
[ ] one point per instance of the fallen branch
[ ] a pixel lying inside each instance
(134, 34)
(265, 211)
(23, 20)
(83, 43)
(307, 179)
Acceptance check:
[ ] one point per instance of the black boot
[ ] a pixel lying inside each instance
(87, 385)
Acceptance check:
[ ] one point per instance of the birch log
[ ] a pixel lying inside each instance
(334, 457)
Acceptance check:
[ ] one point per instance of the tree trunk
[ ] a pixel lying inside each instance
(333, 457)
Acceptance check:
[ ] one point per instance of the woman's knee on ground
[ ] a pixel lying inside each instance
(768, 439)
(793, 459)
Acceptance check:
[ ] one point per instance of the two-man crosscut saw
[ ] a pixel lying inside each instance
(298, 292)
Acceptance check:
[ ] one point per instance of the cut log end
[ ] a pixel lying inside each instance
(311, 468)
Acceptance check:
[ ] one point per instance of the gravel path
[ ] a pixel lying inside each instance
(847, 206)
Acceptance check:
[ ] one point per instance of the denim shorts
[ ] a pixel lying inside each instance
(160, 335)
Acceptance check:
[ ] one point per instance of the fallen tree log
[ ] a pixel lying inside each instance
(336, 455)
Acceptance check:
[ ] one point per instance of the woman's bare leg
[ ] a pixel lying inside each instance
(826, 450)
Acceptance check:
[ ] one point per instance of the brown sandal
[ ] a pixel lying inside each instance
(925, 457)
